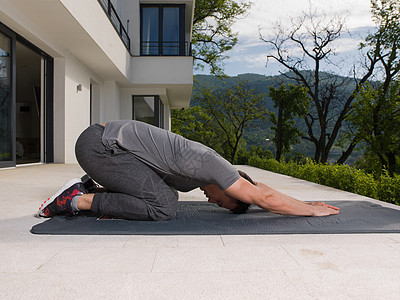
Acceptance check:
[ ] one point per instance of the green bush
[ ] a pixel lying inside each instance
(342, 177)
(243, 155)
(389, 188)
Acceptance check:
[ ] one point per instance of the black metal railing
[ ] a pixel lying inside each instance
(165, 48)
(116, 21)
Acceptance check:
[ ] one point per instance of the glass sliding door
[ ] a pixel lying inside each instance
(7, 157)
(29, 105)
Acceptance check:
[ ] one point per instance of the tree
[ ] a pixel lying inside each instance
(376, 115)
(378, 104)
(291, 102)
(385, 42)
(212, 34)
(195, 124)
(305, 50)
(233, 110)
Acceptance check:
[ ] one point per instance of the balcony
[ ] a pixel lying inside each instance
(116, 21)
(165, 48)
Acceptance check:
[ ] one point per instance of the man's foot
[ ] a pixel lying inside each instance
(60, 202)
(89, 183)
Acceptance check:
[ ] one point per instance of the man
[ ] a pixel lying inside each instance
(142, 166)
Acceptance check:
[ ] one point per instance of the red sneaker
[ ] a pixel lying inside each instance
(60, 202)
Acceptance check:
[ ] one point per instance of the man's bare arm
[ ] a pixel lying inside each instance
(319, 203)
(272, 200)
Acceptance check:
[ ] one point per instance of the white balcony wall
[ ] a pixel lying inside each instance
(174, 72)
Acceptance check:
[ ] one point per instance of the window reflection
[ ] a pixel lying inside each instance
(143, 109)
(5, 99)
(171, 31)
(148, 109)
(150, 34)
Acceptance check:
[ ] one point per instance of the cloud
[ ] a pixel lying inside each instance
(266, 13)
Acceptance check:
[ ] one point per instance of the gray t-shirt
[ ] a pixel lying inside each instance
(183, 164)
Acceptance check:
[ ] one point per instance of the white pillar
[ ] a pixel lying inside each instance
(111, 104)
(167, 117)
(59, 110)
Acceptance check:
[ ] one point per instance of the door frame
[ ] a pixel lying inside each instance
(47, 119)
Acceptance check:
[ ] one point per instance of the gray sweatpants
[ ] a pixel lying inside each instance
(136, 191)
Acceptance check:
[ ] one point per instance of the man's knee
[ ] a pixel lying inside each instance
(165, 213)
(168, 210)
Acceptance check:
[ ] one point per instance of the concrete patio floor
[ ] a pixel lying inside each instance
(352, 266)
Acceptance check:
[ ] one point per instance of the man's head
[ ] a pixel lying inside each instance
(216, 195)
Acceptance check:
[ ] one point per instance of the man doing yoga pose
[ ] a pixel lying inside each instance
(142, 166)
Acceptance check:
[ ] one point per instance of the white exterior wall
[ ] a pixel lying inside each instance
(97, 102)
(72, 107)
(77, 105)
(112, 100)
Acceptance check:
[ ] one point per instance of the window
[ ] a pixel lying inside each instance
(162, 30)
(148, 109)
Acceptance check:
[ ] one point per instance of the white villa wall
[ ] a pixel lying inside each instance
(112, 101)
(77, 105)
(106, 95)
(97, 102)
(72, 107)
(126, 104)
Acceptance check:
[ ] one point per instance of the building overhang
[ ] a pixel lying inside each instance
(174, 73)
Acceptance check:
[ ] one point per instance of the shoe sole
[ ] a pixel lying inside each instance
(52, 198)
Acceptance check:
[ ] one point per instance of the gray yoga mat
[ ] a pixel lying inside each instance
(203, 218)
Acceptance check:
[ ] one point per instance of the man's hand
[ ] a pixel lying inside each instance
(323, 209)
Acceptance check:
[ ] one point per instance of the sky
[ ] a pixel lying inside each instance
(249, 55)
